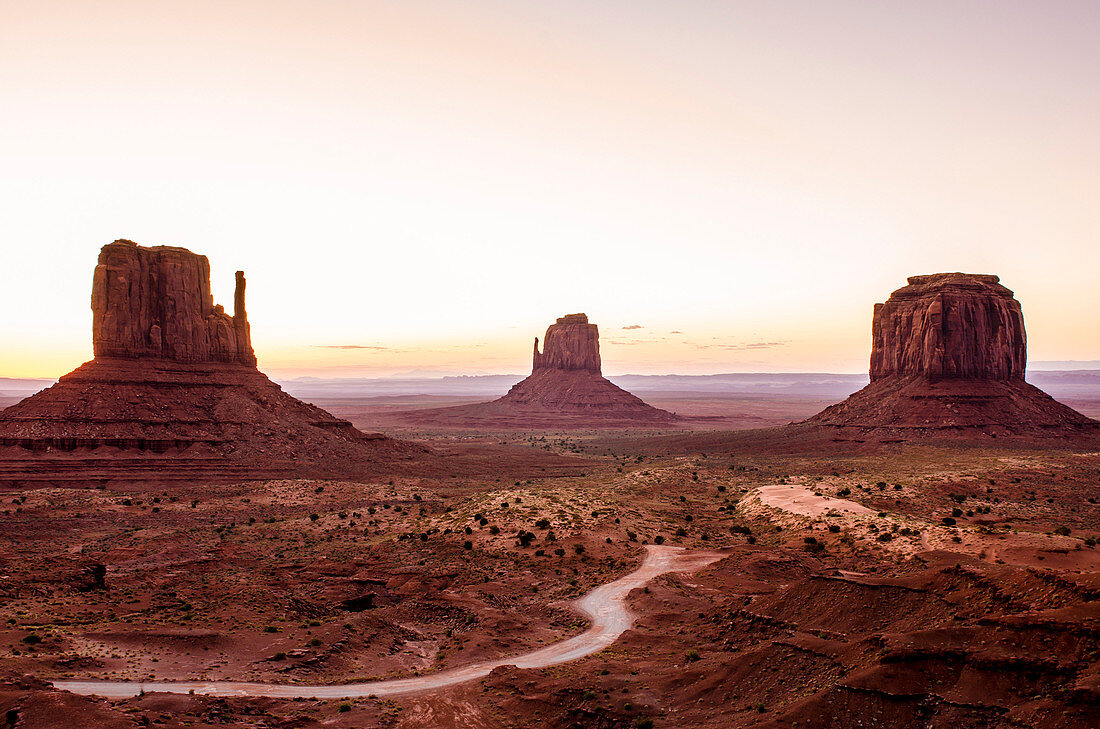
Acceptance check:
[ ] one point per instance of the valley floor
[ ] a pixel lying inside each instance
(897, 586)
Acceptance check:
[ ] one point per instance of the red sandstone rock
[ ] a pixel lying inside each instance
(947, 356)
(571, 343)
(174, 394)
(565, 389)
(156, 302)
(949, 325)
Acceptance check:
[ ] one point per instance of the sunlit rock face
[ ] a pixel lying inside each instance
(949, 326)
(571, 343)
(948, 353)
(156, 303)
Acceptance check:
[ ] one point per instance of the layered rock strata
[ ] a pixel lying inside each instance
(156, 303)
(949, 326)
(948, 353)
(173, 393)
(566, 388)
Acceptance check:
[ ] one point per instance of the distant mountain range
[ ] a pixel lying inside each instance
(815, 385)
(1082, 383)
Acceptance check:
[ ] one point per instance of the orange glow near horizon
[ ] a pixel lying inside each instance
(425, 186)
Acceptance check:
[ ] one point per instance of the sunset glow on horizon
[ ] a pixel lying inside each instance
(423, 187)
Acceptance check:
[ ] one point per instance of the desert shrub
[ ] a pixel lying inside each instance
(560, 552)
(344, 708)
(948, 521)
(467, 545)
(956, 513)
(578, 548)
(494, 529)
(691, 656)
(1063, 530)
(834, 528)
(643, 722)
(543, 524)
(658, 539)
(314, 516)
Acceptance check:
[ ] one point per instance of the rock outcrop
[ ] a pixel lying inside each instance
(571, 343)
(156, 302)
(566, 389)
(948, 353)
(949, 326)
(173, 393)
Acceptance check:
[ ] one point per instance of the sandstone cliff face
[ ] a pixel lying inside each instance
(174, 394)
(947, 358)
(571, 343)
(949, 326)
(156, 303)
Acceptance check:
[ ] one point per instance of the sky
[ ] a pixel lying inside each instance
(423, 187)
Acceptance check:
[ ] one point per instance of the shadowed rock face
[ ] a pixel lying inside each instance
(173, 393)
(565, 389)
(949, 326)
(571, 343)
(947, 357)
(156, 303)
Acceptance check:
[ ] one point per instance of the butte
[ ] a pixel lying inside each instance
(566, 389)
(173, 393)
(948, 354)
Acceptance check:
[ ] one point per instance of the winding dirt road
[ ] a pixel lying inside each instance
(605, 606)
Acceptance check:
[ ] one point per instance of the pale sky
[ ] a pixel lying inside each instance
(425, 186)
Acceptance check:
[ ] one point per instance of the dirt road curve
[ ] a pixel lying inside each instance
(605, 606)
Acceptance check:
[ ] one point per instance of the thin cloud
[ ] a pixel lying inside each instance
(347, 346)
(634, 326)
(742, 347)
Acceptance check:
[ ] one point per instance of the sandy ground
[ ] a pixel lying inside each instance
(799, 500)
(605, 606)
